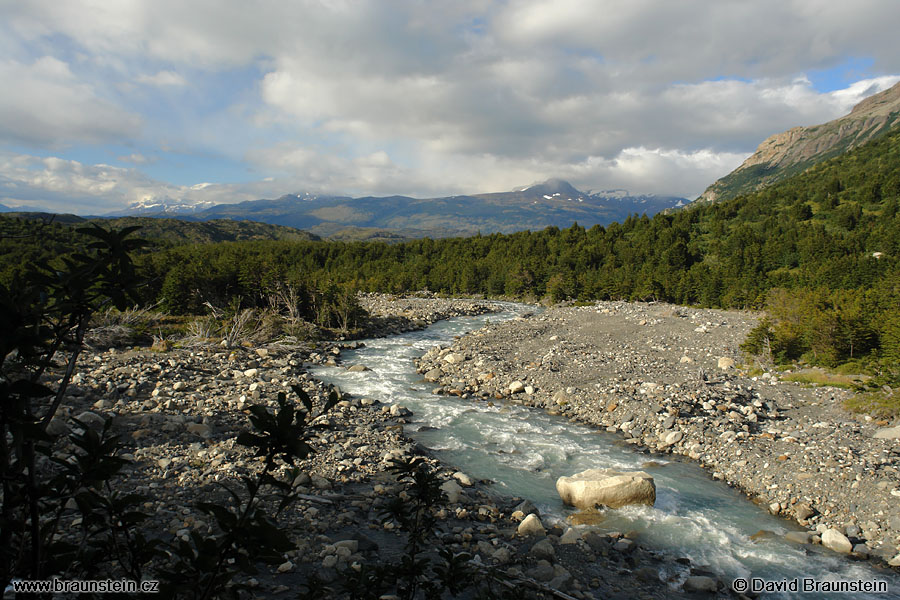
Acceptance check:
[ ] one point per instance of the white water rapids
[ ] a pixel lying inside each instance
(524, 450)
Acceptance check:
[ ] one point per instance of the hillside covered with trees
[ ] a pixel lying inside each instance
(821, 251)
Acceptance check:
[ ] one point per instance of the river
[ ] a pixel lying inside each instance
(524, 450)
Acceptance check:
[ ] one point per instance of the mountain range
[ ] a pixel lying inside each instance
(785, 154)
(551, 203)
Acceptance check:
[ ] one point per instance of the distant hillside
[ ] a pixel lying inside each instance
(554, 203)
(786, 154)
(176, 231)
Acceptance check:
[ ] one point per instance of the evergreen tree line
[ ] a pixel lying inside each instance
(831, 236)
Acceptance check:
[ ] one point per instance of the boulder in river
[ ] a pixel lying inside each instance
(607, 487)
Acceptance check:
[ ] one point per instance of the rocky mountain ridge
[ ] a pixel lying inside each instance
(551, 203)
(790, 152)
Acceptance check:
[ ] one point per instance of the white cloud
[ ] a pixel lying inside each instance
(135, 159)
(849, 97)
(45, 104)
(162, 79)
(70, 186)
(427, 97)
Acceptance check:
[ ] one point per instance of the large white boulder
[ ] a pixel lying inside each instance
(608, 487)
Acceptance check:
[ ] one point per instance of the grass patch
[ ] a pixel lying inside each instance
(880, 404)
(819, 377)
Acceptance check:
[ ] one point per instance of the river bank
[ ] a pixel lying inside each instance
(665, 378)
(178, 413)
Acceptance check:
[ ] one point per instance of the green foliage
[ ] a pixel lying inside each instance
(825, 327)
(880, 403)
(729, 254)
(206, 566)
(47, 480)
(426, 568)
(44, 317)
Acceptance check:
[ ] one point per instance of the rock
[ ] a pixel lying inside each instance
(57, 427)
(453, 490)
(597, 542)
(319, 482)
(516, 387)
(625, 546)
(888, 433)
(607, 487)
(542, 572)
(686, 360)
(894, 522)
(358, 368)
(285, 567)
(803, 511)
(543, 550)
(454, 358)
(725, 363)
(673, 437)
(589, 516)
(560, 398)
(531, 525)
(798, 537)
(398, 410)
(560, 582)
(762, 534)
(527, 507)
(200, 429)
(462, 478)
(837, 541)
(251, 372)
(501, 555)
(91, 419)
(895, 562)
(351, 545)
(433, 375)
(647, 574)
(700, 583)
(569, 537)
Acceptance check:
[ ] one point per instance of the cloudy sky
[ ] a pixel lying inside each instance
(106, 103)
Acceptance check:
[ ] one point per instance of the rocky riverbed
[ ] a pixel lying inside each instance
(668, 379)
(179, 411)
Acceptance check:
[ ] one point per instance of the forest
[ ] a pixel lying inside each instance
(819, 252)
